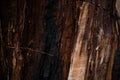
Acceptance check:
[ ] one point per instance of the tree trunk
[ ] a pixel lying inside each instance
(58, 39)
(96, 42)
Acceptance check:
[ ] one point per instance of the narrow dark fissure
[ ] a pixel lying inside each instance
(116, 65)
(49, 67)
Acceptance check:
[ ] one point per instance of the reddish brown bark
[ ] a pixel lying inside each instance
(57, 39)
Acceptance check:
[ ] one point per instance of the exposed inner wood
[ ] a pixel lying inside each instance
(59, 39)
(79, 55)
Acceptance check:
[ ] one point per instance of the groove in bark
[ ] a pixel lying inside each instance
(116, 63)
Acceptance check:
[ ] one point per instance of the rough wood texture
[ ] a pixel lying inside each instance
(36, 39)
(96, 42)
(58, 40)
(116, 66)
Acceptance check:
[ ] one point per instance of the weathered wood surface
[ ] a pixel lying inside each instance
(58, 39)
(92, 57)
(116, 66)
(36, 39)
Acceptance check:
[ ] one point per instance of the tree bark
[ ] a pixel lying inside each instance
(96, 42)
(58, 39)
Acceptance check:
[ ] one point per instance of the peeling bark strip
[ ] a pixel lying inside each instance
(79, 57)
(92, 57)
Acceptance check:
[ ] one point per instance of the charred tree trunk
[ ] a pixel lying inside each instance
(37, 38)
(58, 40)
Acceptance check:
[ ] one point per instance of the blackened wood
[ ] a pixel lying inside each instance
(38, 39)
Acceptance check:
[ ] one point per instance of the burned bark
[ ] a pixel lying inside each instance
(58, 39)
(116, 66)
(36, 39)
